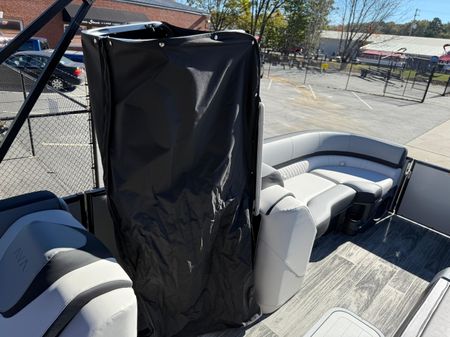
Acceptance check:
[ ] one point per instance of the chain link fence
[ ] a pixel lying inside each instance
(55, 149)
(403, 80)
(447, 88)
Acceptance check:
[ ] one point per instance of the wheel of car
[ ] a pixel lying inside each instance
(57, 83)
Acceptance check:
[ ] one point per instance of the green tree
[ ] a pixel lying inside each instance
(275, 36)
(297, 15)
(222, 13)
(261, 11)
(435, 28)
(317, 14)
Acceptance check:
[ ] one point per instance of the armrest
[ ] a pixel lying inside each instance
(285, 241)
(271, 196)
(270, 176)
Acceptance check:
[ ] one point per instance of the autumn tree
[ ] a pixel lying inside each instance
(222, 13)
(261, 11)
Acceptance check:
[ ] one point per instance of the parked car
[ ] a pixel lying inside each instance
(74, 55)
(66, 76)
(34, 43)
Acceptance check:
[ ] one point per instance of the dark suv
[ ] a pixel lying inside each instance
(66, 76)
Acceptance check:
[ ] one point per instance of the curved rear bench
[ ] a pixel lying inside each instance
(332, 169)
(56, 279)
(310, 181)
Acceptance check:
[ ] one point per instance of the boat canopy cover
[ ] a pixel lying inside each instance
(176, 116)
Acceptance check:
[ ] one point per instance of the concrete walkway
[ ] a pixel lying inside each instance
(433, 146)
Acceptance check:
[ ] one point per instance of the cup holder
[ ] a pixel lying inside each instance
(356, 213)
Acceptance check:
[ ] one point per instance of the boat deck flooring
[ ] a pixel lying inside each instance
(378, 275)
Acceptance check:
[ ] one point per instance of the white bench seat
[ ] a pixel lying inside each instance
(346, 174)
(307, 186)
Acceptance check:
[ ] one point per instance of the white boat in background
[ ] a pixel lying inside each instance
(381, 58)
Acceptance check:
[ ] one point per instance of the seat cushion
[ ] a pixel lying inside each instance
(307, 185)
(367, 192)
(347, 174)
(328, 204)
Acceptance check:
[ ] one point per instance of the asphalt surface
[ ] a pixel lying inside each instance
(50, 152)
(322, 104)
(62, 159)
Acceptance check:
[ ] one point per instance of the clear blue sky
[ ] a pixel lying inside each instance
(429, 9)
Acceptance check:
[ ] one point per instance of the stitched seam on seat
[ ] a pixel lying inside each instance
(325, 177)
(281, 259)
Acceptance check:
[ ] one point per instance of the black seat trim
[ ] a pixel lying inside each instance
(399, 164)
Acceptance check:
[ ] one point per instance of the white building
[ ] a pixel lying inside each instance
(423, 47)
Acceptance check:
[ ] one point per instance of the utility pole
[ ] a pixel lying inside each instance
(413, 24)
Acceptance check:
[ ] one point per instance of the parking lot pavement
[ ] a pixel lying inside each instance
(293, 106)
(51, 152)
(63, 162)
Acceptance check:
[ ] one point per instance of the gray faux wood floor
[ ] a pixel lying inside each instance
(379, 275)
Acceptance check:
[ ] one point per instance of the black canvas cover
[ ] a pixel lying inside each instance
(176, 114)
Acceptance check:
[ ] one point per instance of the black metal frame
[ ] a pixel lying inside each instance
(430, 79)
(446, 87)
(406, 175)
(41, 82)
(404, 185)
(89, 198)
(79, 199)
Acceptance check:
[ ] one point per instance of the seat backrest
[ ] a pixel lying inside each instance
(14, 208)
(56, 279)
(280, 151)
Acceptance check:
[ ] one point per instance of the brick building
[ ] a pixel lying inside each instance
(19, 13)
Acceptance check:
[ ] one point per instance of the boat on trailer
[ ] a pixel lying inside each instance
(206, 228)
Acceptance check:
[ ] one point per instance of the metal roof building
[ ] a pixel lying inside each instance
(415, 46)
(165, 4)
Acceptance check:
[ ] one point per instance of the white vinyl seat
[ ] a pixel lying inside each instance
(285, 241)
(307, 186)
(308, 180)
(324, 198)
(345, 174)
(56, 279)
(313, 164)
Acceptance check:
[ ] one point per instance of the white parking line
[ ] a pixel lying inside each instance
(65, 144)
(270, 85)
(312, 91)
(363, 101)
